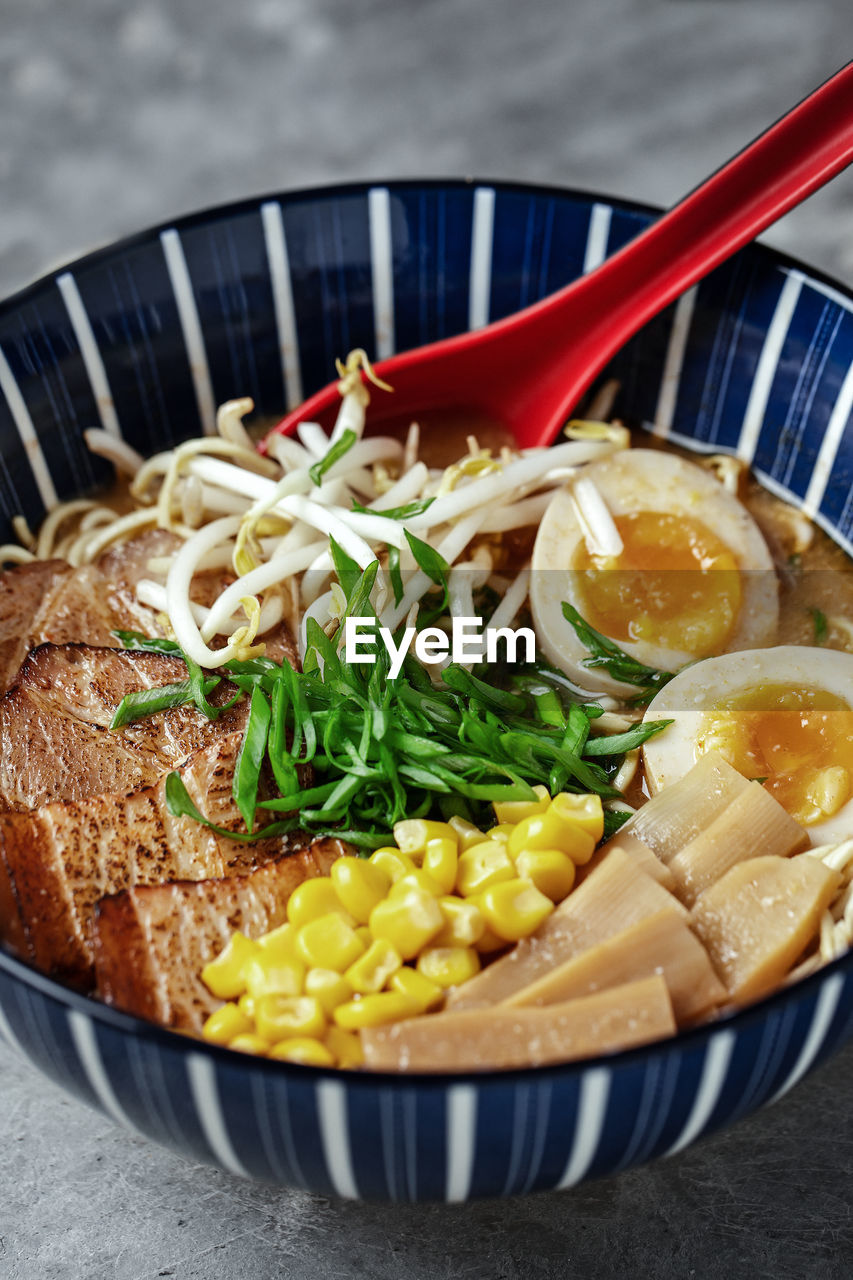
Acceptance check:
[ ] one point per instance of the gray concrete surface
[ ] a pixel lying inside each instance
(115, 116)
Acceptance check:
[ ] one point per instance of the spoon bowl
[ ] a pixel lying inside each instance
(528, 371)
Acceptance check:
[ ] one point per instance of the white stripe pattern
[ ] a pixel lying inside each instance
(589, 1122)
(829, 445)
(825, 1007)
(597, 236)
(85, 336)
(334, 1135)
(176, 265)
(717, 1059)
(86, 1044)
(482, 237)
(282, 294)
(768, 363)
(201, 1074)
(26, 430)
(461, 1135)
(673, 364)
(382, 270)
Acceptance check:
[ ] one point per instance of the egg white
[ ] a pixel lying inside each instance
(698, 689)
(647, 480)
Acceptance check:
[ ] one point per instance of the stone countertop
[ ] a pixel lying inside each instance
(116, 116)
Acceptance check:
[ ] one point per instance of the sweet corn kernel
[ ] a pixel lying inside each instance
(423, 991)
(413, 834)
(394, 863)
(482, 865)
(502, 832)
(266, 976)
(514, 810)
(466, 833)
(359, 885)
(312, 899)
(250, 1043)
(246, 1005)
(552, 830)
(372, 970)
(303, 1049)
(463, 923)
(328, 987)
(363, 932)
(490, 942)
(408, 922)
(551, 870)
(279, 1017)
(346, 1047)
(585, 810)
(329, 942)
(375, 1010)
(280, 943)
(226, 1023)
(417, 879)
(224, 975)
(448, 966)
(441, 860)
(514, 909)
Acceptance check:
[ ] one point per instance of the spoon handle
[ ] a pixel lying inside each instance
(784, 165)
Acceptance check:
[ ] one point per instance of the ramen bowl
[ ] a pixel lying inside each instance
(144, 339)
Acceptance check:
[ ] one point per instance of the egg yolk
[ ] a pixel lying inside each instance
(675, 584)
(799, 740)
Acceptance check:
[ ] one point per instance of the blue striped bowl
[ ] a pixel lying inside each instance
(257, 299)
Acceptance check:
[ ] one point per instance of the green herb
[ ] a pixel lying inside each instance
(614, 819)
(346, 568)
(604, 653)
(147, 644)
(406, 512)
(436, 569)
(394, 573)
(145, 702)
(621, 742)
(383, 749)
(332, 455)
(821, 626)
(253, 749)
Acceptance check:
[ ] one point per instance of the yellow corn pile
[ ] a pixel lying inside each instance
(382, 939)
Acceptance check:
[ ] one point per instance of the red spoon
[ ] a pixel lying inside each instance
(529, 370)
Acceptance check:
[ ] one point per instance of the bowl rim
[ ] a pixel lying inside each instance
(21, 971)
(356, 187)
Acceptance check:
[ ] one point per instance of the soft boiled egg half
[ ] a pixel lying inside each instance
(782, 715)
(655, 554)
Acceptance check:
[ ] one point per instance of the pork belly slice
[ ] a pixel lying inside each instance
(151, 943)
(55, 740)
(58, 861)
(48, 601)
(22, 593)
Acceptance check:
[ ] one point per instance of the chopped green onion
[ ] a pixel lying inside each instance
(616, 662)
(144, 702)
(821, 626)
(253, 749)
(406, 512)
(332, 455)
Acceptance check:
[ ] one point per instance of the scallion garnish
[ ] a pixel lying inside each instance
(605, 653)
(382, 749)
(332, 455)
(821, 626)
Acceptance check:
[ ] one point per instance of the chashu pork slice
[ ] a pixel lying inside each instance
(57, 862)
(151, 943)
(55, 740)
(23, 591)
(49, 602)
